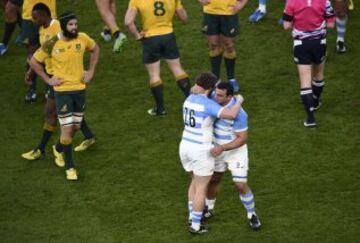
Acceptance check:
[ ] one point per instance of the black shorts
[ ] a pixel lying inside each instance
(226, 25)
(29, 33)
(160, 46)
(18, 3)
(70, 102)
(309, 51)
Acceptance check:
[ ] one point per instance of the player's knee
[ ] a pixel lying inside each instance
(229, 47)
(242, 187)
(214, 46)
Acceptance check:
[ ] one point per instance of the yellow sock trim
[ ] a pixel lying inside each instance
(49, 127)
(182, 76)
(215, 53)
(65, 141)
(114, 30)
(155, 83)
(230, 55)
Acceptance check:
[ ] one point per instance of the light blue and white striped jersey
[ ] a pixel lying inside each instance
(224, 129)
(199, 113)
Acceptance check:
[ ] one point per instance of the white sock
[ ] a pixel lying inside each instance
(196, 220)
(190, 203)
(262, 8)
(210, 203)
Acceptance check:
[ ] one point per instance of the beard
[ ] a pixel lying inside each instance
(70, 35)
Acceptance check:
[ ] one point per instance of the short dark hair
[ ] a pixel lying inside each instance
(206, 80)
(41, 7)
(226, 86)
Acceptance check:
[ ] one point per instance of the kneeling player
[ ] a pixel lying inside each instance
(231, 153)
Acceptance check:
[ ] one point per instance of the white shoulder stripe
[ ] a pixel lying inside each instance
(194, 106)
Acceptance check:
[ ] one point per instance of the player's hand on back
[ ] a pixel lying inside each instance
(55, 81)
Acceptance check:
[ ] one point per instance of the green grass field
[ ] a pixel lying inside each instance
(132, 187)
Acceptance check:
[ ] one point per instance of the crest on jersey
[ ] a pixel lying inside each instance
(205, 28)
(78, 47)
(64, 108)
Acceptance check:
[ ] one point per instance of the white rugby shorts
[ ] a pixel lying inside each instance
(196, 158)
(236, 160)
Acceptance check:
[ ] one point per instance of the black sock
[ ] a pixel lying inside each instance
(215, 62)
(86, 130)
(107, 32)
(230, 67)
(116, 34)
(59, 147)
(44, 139)
(157, 92)
(19, 18)
(33, 82)
(184, 85)
(69, 163)
(308, 101)
(317, 88)
(9, 29)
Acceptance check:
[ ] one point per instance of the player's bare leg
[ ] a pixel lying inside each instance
(11, 19)
(341, 8)
(156, 87)
(107, 10)
(181, 77)
(66, 136)
(200, 189)
(215, 53)
(212, 192)
(306, 93)
(230, 59)
(318, 83)
(247, 199)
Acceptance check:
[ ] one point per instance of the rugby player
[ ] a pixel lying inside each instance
(30, 37)
(49, 28)
(341, 9)
(221, 25)
(66, 51)
(12, 17)
(158, 40)
(231, 153)
(199, 113)
(107, 10)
